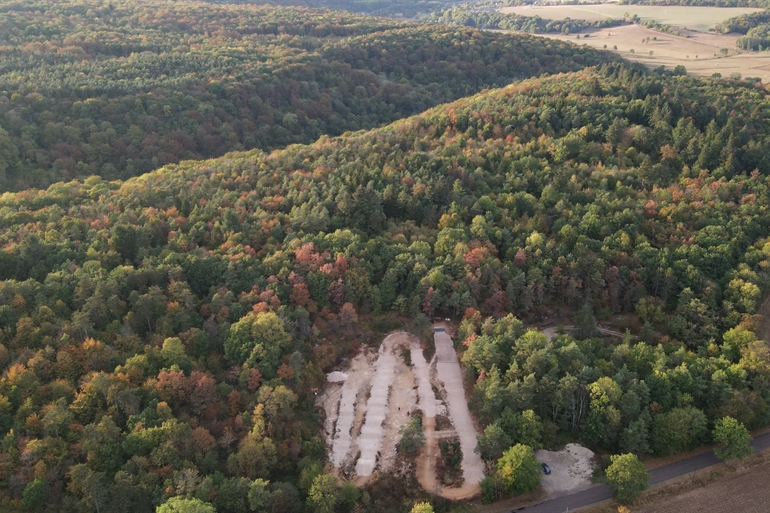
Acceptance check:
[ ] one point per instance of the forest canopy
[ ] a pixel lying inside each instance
(119, 88)
(162, 336)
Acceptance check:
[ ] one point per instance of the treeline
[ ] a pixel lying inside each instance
(468, 16)
(757, 38)
(116, 89)
(660, 27)
(743, 23)
(754, 26)
(162, 337)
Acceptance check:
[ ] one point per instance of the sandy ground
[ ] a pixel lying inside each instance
(571, 470)
(341, 401)
(403, 397)
(700, 53)
(367, 403)
(699, 18)
(451, 377)
(426, 462)
(373, 430)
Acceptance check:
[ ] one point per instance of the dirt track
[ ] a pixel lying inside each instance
(450, 375)
(553, 331)
(370, 439)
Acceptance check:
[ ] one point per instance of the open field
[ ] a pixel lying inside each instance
(696, 53)
(695, 18)
(746, 492)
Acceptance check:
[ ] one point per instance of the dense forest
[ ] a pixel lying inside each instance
(743, 23)
(468, 15)
(162, 336)
(755, 28)
(390, 8)
(117, 89)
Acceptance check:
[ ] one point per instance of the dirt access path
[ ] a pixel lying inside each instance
(554, 330)
(367, 403)
(451, 377)
(370, 439)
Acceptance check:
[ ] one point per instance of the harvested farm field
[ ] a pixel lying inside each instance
(746, 492)
(701, 53)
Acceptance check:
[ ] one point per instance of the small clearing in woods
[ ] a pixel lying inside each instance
(571, 469)
(367, 403)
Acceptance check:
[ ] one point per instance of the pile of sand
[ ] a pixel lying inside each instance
(336, 377)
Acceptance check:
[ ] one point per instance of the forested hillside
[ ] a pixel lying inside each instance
(467, 15)
(390, 8)
(162, 336)
(119, 88)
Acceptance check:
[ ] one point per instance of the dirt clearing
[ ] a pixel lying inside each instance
(340, 400)
(450, 375)
(370, 440)
(367, 403)
(571, 470)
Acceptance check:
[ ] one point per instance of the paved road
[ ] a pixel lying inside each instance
(598, 493)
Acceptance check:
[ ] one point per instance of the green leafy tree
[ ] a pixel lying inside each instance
(529, 429)
(627, 477)
(34, 494)
(493, 442)
(518, 469)
(412, 436)
(182, 505)
(324, 494)
(678, 430)
(423, 507)
(259, 495)
(733, 437)
(585, 323)
(257, 339)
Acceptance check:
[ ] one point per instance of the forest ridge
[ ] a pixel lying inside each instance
(116, 88)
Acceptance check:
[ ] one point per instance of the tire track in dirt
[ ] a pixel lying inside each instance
(450, 375)
(372, 432)
(345, 418)
(342, 402)
(426, 462)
